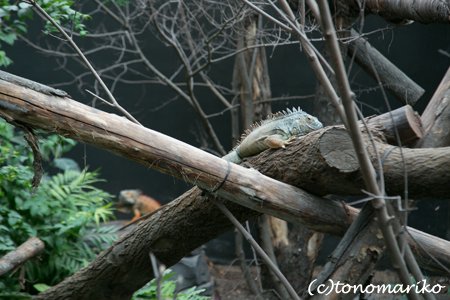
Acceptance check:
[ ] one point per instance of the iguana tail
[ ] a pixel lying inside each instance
(233, 157)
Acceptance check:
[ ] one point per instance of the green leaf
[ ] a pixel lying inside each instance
(10, 7)
(25, 12)
(4, 60)
(41, 287)
(8, 38)
(3, 13)
(62, 213)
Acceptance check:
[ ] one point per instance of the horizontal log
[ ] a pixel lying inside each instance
(403, 121)
(116, 134)
(325, 163)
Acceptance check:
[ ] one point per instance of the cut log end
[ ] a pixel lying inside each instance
(405, 120)
(337, 150)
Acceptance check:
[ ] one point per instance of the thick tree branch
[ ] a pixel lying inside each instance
(436, 117)
(393, 79)
(399, 11)
(162, 153)
(31, 248)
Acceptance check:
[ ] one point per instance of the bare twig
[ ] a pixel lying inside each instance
(367, 170)
(241, 257)
(85, 60)
(258, 249)
(309, 49)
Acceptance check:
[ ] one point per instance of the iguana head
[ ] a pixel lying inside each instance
(299, 122)
(305, 124)
(127, 199)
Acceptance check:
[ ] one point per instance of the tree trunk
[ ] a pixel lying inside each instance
(303, 249)
(354, 258)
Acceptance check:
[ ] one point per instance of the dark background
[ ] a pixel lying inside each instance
(413, 48)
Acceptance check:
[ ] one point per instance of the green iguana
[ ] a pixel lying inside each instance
(276, 132)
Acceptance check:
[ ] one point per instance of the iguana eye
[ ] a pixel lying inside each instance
(309, 119)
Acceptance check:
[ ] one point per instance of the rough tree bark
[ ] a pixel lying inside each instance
(31, 248)
(124, 267)
(436, 118)
(400, 12)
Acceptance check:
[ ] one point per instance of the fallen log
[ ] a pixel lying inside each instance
(404, 121)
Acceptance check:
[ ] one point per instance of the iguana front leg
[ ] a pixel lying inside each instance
(275, 142)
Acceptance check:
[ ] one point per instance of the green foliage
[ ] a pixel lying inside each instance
(14, 16)
(167, 290)
(118, 2)
(64, 213)
(61, 12)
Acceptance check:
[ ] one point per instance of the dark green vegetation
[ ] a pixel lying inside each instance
(65, 212)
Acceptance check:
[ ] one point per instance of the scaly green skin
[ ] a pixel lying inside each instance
(276, 132)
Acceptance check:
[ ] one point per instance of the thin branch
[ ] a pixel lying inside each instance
(85, 60)
(367, 170)
(100, 98)
(258, 249)
(202, 74)
(189, 84)
(311, 54)
(17, 257)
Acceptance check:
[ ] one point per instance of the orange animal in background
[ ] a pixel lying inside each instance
(134, 200)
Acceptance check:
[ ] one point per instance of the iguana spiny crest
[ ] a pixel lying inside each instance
(275, 132)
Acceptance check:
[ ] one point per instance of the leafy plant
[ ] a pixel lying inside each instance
(65, 213)
(62, 12)
(167, 290)
(14, 17)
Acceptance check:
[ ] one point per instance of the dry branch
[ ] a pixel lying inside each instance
(124, 267)
(355, 257)
(436, 117)
(393, 79)
(14, 259)
(400, 11)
